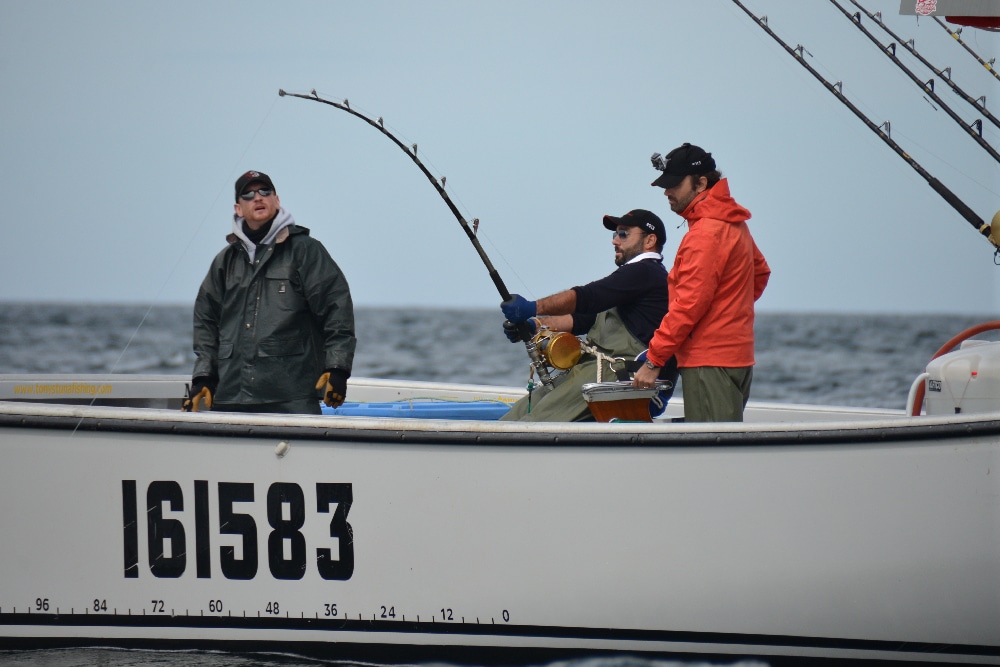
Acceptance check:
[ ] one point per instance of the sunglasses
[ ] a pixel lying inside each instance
(249, 194)
(620, 233)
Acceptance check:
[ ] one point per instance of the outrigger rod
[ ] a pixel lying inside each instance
(945, 74)
(536, 358)
(957, 35)
(927, 87)
(963, 209)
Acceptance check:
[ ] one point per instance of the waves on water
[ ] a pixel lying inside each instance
(861, 360)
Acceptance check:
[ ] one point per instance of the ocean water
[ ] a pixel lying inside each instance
(867, 360)
(862, 360)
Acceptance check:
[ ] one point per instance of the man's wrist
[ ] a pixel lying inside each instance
(651, 366)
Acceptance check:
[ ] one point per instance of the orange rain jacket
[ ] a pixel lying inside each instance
(717, 276)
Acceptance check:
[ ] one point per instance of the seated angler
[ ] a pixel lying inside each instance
(618, 314)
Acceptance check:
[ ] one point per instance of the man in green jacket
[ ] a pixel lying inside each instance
(273, 320)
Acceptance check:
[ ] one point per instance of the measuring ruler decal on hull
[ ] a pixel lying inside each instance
(156, 546)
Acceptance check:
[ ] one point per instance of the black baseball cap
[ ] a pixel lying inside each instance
(685, 160)
(641, 218)
(252, 177)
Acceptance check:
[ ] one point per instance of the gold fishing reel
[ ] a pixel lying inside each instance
(559, 349)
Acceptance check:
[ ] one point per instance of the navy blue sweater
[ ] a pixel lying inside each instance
(638, 290)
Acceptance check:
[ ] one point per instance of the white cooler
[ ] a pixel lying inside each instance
(965, 380)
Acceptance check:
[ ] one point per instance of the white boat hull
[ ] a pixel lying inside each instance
(864, 537)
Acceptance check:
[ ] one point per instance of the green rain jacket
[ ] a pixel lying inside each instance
(268, 322)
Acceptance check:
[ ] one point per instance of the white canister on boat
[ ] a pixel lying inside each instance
(964, 381)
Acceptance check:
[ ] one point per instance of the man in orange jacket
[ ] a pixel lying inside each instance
(717, 276)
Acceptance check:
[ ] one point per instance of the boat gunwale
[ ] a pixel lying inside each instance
(411, 431)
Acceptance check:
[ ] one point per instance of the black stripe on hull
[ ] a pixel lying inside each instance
(776, 649)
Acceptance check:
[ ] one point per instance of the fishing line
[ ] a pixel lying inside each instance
(945, 74)
(482, 232)
(236, 169)
(957, 35)
(971, 178)
(928, 87)
(819, 64)
(470, 230)
(184, 252)
(387, 127)
(191, 237)
(883, 133)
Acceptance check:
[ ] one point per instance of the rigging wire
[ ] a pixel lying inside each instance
(927, 87)
(837, 89)
(945, 74)
(957, 35)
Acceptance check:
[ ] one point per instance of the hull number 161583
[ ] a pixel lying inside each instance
(167, 540)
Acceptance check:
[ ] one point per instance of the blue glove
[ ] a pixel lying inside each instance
(658, 403)
(513, 331)
(517, 309)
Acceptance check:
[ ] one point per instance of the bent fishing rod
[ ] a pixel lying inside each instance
(837, 89)
(536, 359)
(945, 74)
(957, 35)
(927, 87)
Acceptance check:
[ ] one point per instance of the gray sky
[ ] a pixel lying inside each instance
(126, 123)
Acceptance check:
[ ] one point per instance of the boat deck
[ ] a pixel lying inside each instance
(167, 391)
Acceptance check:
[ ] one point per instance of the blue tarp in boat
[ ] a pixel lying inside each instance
(483, 410)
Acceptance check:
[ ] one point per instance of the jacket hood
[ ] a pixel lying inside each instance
(716, 203)
(282, 220)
